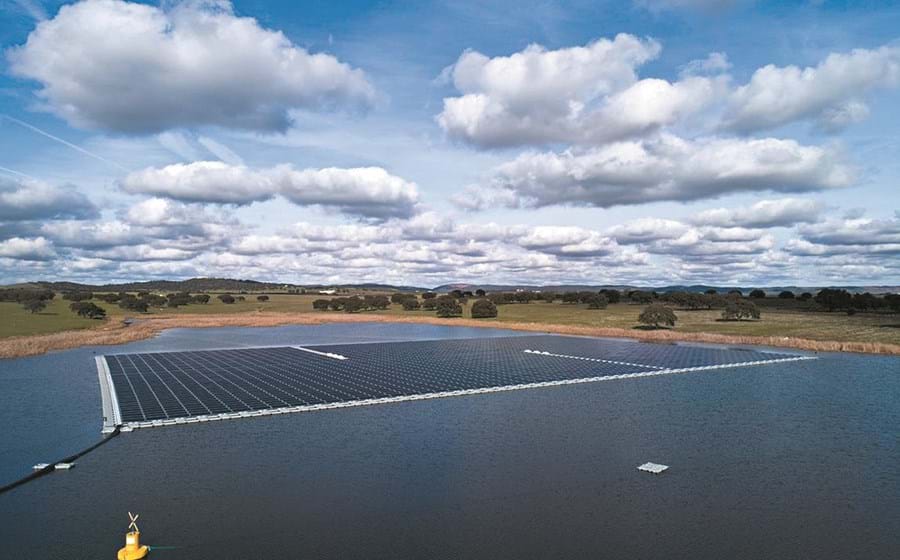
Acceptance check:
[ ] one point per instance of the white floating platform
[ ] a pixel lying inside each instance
(40, 466)
(654, 468)
(63, 466)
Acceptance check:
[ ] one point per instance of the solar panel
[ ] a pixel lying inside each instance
(162, 388)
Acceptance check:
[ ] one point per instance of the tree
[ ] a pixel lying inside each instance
(429, 295)
(526, 296)
(695, 301)
(88, 309)
(736, 293)
(892, 301)
(155, 300)
(398, 297)
(739, 309)
(77, 296)
(321, 304)
(202, 298)
(832, 299)
(179, 299)
(585, 296)
(711, 292)
(866, 302)
(262, 298)
(21, 295)
(612, 296)
(227, 299)
(638, 296)
(501, 298)
(354, 304)
(597, 301)
(411, 304)
(484, 309)
(656, 314)
(805, 296)
(429, 304)
(132, 303)
(786, 294)
(757, 294)
(714, 300)
(570, 297)
(480, 293)
(447, 306)
(678, 299)
(377, 302)
(34, 305)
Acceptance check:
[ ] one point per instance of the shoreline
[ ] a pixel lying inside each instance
(119, 333)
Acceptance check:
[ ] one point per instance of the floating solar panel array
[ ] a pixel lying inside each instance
(165, 388)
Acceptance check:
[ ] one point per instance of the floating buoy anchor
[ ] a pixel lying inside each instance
(133, 549)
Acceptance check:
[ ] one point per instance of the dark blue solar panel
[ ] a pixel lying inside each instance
(155, 386)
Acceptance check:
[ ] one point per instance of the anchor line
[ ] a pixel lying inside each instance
(51, 467)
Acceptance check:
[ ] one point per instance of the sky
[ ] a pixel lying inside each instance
(644, 142)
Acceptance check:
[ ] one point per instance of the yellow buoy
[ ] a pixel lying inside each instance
(133, 549)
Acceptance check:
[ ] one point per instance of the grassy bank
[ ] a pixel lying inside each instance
(58, 328)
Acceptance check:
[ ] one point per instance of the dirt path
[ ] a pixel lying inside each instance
(118, 333)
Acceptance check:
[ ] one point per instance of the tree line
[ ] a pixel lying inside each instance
(446, 306)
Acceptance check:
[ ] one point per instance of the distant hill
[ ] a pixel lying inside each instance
(672, 288)
(192, 285)
(210, 285)
(235, 285)
(369, 286)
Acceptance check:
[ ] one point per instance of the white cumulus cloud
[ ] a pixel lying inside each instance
(22, 200)
(578, 94)
(28, 249)
(666, 168)
(134, 68)
(367, 192)
(765, 213)
(828, 92)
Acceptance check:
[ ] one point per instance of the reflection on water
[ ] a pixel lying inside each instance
(783, 461)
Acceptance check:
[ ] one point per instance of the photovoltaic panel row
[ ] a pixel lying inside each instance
(157, 386)
(650, 354)
(178, 384)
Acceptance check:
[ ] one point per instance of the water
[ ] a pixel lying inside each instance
(796, 460)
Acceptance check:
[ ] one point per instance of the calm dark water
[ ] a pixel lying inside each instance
(796, 460)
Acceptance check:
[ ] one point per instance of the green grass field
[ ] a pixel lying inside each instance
(56, 317)
(810, 325)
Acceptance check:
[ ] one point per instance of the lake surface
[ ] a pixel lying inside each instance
(794, 460)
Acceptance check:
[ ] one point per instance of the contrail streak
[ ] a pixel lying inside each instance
(14, 172)
(64, 142)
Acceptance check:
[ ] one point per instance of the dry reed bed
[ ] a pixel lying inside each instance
(118, 333)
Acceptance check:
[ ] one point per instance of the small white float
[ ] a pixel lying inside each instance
(40, 466)
(654, 468)
(63, 466)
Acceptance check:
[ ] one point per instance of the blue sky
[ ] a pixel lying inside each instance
(651, 142)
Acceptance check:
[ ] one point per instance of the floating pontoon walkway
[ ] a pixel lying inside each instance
(166, 388)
